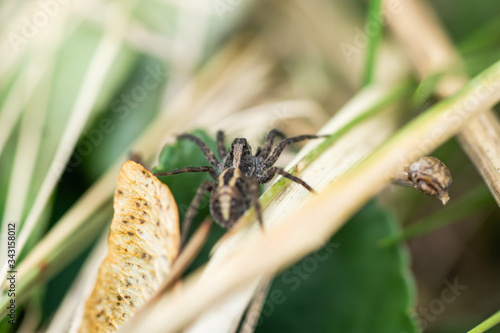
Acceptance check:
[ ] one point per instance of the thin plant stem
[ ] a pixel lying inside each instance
(373, 21)
(487, 324)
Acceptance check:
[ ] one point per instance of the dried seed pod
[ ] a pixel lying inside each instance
(431, 177)
(143, 242)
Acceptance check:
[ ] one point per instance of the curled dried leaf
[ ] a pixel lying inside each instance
(143, 243)
(431, 177)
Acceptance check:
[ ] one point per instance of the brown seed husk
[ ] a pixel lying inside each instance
(143, 242)
(431, 177)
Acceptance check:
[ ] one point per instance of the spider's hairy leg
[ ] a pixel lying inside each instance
(206, 186)
(220, 145)
(282, 145)
(209, 155)
(266, 148)
(209, 169)
(275, 170)
(254, 190)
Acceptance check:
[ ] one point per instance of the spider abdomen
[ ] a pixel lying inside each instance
(229, 200)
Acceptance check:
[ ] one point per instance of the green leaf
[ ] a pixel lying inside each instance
(350, 285)
(185, 153)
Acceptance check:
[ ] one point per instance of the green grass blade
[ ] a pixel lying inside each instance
(374, 32)
(487, 324)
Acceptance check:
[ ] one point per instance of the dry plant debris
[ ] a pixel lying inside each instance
(430, 176)
(143, 242)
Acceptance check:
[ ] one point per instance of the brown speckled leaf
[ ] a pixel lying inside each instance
(143, 243)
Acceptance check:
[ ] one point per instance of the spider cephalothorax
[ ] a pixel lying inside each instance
(240, 156)
(237, 176)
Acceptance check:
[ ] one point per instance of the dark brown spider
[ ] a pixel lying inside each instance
(237, 176)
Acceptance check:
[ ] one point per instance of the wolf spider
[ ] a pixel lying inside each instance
(237, 176)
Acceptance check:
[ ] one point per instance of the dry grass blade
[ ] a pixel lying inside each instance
(432, 52)
(12, 109)
(324, 213)
(248, 123)
(42, 58)
(481, 141)
(69, 314)
(143, 243)
(31, 131)
(103, 59)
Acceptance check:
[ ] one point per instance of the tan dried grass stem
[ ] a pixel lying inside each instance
(432, 52)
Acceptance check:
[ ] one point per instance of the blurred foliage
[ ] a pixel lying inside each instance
(476, 200)
(127, 115)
